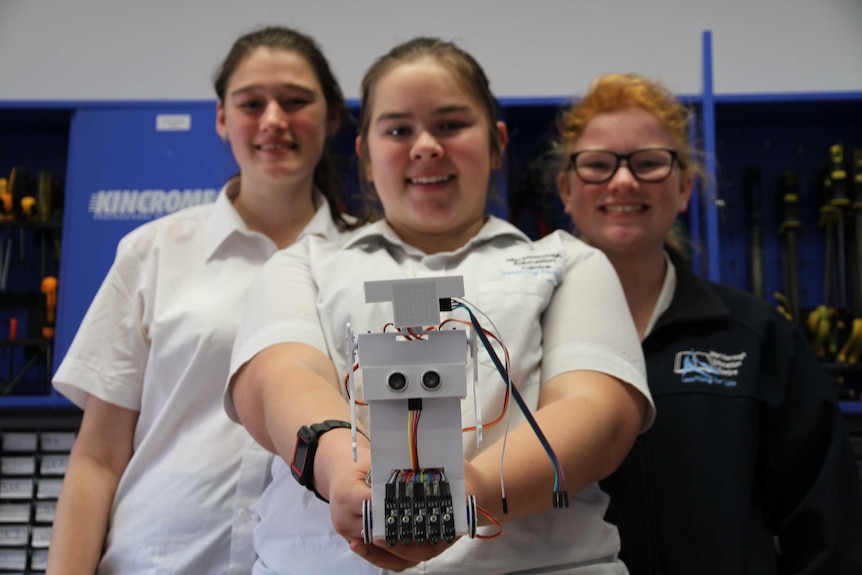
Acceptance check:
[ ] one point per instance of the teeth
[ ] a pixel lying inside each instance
(430, 180)
(624, 209)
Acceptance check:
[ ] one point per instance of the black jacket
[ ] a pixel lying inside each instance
(749, 452)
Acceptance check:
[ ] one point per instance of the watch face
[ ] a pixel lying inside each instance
(299, 463)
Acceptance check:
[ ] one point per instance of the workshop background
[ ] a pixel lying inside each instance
(107, 121)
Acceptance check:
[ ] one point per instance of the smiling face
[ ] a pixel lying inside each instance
(429, 155)
(275, 117)
(624, 215)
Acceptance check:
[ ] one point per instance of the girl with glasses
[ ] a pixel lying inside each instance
(748, 468)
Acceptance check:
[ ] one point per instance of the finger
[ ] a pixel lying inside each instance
(415, 553)
(381, 557)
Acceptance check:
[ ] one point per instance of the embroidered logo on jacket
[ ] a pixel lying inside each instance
(710, 367)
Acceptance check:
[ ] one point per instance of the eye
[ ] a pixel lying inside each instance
(398, 131)
(290, 104)
(595, 163)
(650, 161)
(452, 125)
(250, 105)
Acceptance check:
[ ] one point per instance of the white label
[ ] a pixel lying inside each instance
(16, 489)
(14, 512)
(13, 558)
(54, 464)
(19, 442)
(58, 440)
(173, 122)
(49, 488)
(41, 537)
(45, 511)
(17, 466)
(39, 560)
(13, 536)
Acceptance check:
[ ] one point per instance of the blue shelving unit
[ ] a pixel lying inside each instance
(775, 131)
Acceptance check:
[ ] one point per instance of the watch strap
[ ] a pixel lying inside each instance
(311, 434)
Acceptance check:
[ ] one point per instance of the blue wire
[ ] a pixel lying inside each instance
(516, 395)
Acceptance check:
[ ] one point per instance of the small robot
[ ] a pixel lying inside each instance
(413, 382)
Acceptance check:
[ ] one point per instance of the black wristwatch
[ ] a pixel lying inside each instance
(302, 466)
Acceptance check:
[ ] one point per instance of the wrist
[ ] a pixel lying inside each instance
(304, 464)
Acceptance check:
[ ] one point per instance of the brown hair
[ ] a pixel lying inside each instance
(326, 177)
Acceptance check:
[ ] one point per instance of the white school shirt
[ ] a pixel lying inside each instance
(558, 306)
(157, 339)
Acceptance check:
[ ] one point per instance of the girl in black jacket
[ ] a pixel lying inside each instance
(748, 468)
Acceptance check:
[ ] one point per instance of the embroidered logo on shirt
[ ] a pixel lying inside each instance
(710, 367)
(533, 264)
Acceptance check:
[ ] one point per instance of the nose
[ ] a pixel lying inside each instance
(426, 147)
(623, 175)
(273, 117)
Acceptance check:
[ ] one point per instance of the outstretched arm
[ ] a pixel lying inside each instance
(289, 385)
(590, 420)
(98, 459)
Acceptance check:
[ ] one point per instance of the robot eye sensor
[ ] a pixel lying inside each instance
(431, 380)
(397, 381)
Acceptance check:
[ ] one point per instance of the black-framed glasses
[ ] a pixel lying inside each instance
(646, 165)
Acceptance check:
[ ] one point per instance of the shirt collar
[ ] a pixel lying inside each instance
(224, 220)
(668, 288)
(380, 233)
(694, 299)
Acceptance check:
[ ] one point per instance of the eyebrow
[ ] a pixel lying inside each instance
(261, 88)
(387, 116)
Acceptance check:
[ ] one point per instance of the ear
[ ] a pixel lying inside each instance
(686, 185)
(503, 136)
(221, 128)
(564, 190)
(364, 164)
(333, 122)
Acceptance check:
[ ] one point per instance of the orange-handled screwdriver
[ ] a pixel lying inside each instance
(49, 288)
(6, 204)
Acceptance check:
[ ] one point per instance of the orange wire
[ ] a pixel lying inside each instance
(493, 520)
(499, 418)
(347, 388)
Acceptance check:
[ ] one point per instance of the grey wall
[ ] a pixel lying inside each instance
(168, 49)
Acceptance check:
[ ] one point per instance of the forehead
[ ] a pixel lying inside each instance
(265, 67)
(422, 85)
(626, 129)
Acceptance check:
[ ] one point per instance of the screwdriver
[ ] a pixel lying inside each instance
(49, 288)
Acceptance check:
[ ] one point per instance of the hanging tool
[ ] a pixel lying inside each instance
(29, 209)
(852, 348)
(6, 204)
(789, 230)
(19, 189)
(44, 193)
(821, 319)
(6, 214)
(10, 350)
(840, 201)
(49, 288)
(753, 186)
